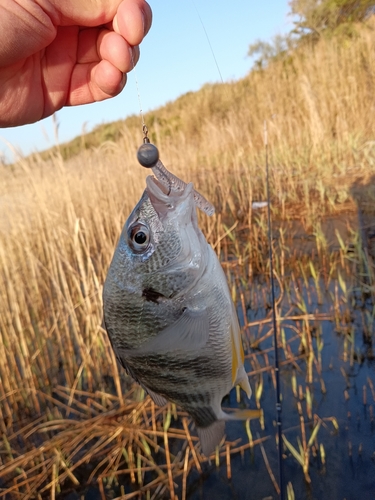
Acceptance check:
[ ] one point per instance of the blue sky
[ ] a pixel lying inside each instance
(175, 58)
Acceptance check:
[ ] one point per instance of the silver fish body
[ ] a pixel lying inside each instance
(169, 314)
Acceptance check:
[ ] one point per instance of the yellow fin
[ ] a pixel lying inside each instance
(234, 362)
(242, 351)
(244, 384)
(238, 355)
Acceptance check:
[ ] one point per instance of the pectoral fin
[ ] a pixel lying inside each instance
(189, 333)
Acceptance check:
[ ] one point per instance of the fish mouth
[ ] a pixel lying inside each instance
(165, 199)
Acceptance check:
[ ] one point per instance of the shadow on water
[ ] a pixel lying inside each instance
(363, 192)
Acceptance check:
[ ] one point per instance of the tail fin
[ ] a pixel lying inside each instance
(211, 436)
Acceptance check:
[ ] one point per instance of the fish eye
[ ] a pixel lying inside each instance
(139, 237)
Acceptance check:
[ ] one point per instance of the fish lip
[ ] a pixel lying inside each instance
(171, 198)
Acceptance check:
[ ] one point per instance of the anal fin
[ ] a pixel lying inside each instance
(243, 381)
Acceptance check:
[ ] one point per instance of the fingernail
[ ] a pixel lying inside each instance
(143, 21)
(146, 20)
(115, 24)
(123, 81)
(135, 55)
(132, 60)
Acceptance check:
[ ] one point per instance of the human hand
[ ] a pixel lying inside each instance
(56, 53)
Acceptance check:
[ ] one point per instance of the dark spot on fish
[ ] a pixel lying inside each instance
(152, 295)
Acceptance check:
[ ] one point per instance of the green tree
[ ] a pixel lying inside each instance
(314, 19)
(265, 52)
(328, 17)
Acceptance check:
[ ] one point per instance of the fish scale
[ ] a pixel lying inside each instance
(169, 313)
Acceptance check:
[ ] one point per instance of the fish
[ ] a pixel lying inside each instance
(169, 314)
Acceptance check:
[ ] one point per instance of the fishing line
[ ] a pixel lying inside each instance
(208, 40)
(148, 154)
(144, 127)
(276, 347)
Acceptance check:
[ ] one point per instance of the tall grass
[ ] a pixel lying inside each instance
(60, 219)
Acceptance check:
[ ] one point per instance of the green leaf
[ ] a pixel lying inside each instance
(342, 283)
(312, 270)
(167, 421)
(313, 434)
